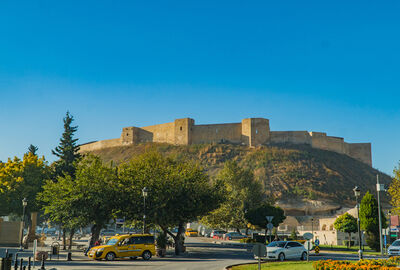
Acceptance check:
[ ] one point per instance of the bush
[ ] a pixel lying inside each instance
(390, 264)
(346, 243)
(247, 240)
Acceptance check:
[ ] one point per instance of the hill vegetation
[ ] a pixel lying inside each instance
(285, 171)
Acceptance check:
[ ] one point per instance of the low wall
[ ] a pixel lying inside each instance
(100, 145)
(216, 133)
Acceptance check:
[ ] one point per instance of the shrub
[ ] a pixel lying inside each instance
(346, 243)
(247, 240)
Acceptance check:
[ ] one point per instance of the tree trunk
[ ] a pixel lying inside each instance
(71, 235)
(64, 238)
(179, 240)
(95, 234)
(247, 231)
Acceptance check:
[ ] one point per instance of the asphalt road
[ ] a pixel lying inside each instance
(202, 254)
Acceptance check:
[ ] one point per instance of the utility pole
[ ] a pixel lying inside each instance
(379, 187)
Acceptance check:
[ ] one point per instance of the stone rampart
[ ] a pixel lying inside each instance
(251, 132)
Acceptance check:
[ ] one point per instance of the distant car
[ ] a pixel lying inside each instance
(233, 235)
(282, 250)
(394, 248)
(191, 232)
(217, 233)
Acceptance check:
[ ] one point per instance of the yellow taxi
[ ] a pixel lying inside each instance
(128, 245)
(190, 232)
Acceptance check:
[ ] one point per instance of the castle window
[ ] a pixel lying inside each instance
(256, 131)
(181, 128)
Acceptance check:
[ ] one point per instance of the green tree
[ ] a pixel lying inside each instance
(293, 235)
(22, 179)
(179, 192)
(67, 151)
(394, 191)
(242, 193)
(369, 220)
(346, 223)
(89, 199)
(257, 215)
(32, 149)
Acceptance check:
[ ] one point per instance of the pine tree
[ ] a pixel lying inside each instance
(32, 149)
(67, 150)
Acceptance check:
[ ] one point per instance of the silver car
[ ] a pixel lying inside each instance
(282, 250)
(394, 248)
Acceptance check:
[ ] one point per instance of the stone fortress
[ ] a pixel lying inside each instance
(251, 131)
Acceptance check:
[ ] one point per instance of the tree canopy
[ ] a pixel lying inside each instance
(394, 191)
(346, 223)
(242, 193)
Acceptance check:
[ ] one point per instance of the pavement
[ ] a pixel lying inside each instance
(202, 253)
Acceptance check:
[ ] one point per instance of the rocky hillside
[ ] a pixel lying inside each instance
(290, 173)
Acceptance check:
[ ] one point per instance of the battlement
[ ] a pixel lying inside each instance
(251, 131)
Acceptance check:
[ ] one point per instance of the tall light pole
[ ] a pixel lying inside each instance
(390, 225)
(312, 229)
(379, 187)
(24, 204)
(357, 193)
(144, 193)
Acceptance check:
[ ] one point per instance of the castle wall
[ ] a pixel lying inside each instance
(163, 133)
(100, 145)
(296, 137)
(216, 133)
(361, 151)
(251, 132)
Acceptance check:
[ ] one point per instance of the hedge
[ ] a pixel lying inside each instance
(390, 264)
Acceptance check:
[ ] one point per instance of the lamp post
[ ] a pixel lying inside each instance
(379, 187)
(144, 193)
(357, 193)
(312, 229)
(24, 204)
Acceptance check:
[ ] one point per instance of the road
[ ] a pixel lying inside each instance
(202, 254)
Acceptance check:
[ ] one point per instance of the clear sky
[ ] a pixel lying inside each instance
(329, 66)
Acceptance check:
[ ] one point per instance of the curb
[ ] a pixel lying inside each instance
(239, 264)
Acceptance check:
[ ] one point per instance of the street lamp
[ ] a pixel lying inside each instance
(357, 193)
(390, 225)
(144, 193)
(24, 204)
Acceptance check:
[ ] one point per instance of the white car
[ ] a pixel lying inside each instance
(281, 250)
(394, 248)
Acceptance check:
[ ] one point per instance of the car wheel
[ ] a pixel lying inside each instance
(110, 256)
(281, 257)
(146, 255)
(303, 256)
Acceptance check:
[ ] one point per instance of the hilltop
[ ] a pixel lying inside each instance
(291, 173)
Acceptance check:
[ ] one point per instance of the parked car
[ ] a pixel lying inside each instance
(129, 245)
(281, 250)
(191, 232)
(217, 233)
(394, 248)
(233, 235)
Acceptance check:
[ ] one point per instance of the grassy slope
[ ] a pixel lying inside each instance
(284, 170)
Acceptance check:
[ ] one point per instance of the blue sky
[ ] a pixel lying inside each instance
(329, 66)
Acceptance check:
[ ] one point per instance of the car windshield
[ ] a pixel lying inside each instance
(111, 242)
(396, 243)
(280, 244)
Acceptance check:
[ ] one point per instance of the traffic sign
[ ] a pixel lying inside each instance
(259, 250)
(308, 245)
(316, 249)
(316, 242)
(270, 226)
(269, 218)
(308, 236)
